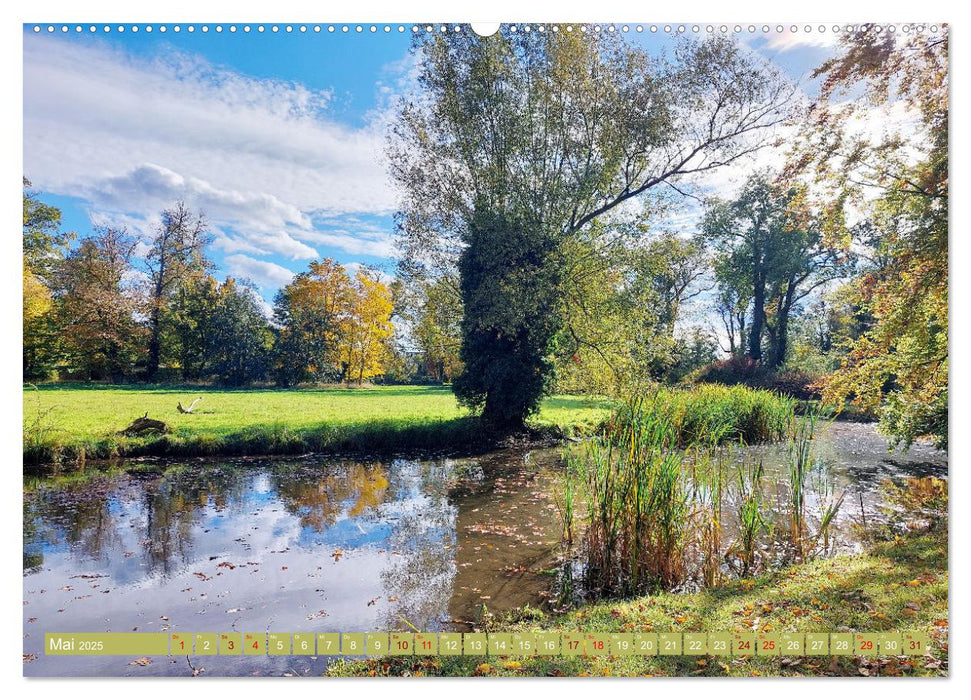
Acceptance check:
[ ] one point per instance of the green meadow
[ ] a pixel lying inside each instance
(78, 422)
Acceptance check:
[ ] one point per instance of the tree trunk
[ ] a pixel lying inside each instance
(154, 344)
(780, 338)
(758, 319)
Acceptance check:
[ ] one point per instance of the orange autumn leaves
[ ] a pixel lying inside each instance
(333, 320)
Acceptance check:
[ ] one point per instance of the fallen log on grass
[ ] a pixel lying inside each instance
(189, 409)
(145, 426)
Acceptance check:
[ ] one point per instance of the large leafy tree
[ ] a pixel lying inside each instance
(238, 341)
(193, 309)
(367, 328)
(773, 252)
(177, 254)
(96, 306)
(623, 297)
(896, 180)
(44, 245)
(515, 143)
(310, 313)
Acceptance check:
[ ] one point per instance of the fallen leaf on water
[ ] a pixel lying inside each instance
(140, 661)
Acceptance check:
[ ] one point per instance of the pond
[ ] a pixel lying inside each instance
(321, 545)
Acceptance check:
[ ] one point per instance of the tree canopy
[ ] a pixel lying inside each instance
(515, 143)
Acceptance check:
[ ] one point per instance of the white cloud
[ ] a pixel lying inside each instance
(262, 272)
(92, 114)
(260, 157)
(788, 39)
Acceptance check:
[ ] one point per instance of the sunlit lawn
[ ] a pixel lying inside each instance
(69, 414)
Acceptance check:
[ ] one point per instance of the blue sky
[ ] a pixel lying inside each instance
(277, 137)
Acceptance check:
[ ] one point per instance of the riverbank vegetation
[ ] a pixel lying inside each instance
(896, 585)
(68, 424)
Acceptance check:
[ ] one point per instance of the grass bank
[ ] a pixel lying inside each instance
(895, 586)
(67, 424)
(71, 423)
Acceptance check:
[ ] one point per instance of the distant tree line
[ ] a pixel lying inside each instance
(114, 308)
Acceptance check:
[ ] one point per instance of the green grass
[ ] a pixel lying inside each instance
(68, 422)
(896, 586)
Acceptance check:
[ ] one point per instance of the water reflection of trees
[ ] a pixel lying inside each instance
(87, 516)
(79, 516)
(421, 574)
(317, 499)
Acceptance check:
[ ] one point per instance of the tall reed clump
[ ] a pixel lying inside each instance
(749, 498)
(801, 462)
(807, 475)
(706, 499)
(709, 413)
(637, 502)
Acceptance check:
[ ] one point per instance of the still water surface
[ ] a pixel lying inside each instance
(326, 545)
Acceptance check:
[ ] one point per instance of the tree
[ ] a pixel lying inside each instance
(733, 300)
(39, 343)
(44, 242)
(769, 243)
(44, 245)
(239, 340)
(177, 253)
(673, 265)
(515, 143)
(623, 298)
(96, 306)
(310, 313)
(898, 182)
(437, 327)
(367, 328)
(193, 309)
